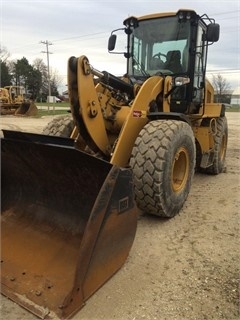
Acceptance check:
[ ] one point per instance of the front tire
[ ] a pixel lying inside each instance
(163, 161)
(61, 126)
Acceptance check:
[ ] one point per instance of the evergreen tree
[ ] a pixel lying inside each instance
(5, 79)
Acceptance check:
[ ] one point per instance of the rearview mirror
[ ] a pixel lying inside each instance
(213, 31)
(112, 42)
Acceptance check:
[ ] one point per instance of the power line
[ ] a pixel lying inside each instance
(90, 36)
(228, 12)
(81, 36)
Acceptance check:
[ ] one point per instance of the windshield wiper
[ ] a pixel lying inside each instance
(141, 68)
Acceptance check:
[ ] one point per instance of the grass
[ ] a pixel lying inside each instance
(66, 107)
(54, 109)
(51, 112)
(45, 104)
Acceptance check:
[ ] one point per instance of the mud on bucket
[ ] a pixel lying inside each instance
(68, 223)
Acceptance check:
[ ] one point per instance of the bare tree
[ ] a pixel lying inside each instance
(4, 54)
(55, 80)
(222, 89)
(39, 65)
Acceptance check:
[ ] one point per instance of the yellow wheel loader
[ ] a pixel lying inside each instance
(13, 101)
(68, 203)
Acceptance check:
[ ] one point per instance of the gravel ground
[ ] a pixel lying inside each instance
(185, 268)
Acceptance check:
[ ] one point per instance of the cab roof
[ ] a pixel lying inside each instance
(159, 15)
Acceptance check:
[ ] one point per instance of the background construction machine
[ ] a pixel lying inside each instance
(13, 100)
(74, 197)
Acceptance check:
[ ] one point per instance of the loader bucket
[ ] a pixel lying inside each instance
(68, 223)
(28, 109)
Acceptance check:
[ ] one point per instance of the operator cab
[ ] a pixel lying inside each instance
(159, 46)
(171, 44)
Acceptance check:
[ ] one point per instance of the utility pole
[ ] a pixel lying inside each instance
(47, 43)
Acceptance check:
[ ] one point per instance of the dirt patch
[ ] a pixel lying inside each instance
(28, 124)
(183, 268)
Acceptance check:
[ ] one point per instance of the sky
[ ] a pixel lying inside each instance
(77, 27)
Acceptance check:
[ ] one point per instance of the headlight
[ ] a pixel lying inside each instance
(180, 81)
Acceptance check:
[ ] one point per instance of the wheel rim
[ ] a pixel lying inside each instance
(180, 169)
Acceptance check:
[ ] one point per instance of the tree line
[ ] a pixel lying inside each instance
(33, 77)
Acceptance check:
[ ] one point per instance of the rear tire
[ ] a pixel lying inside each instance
(61, 126)
(163, 161)
(220, 147)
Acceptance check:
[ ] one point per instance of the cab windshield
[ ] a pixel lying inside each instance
(160, 46)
